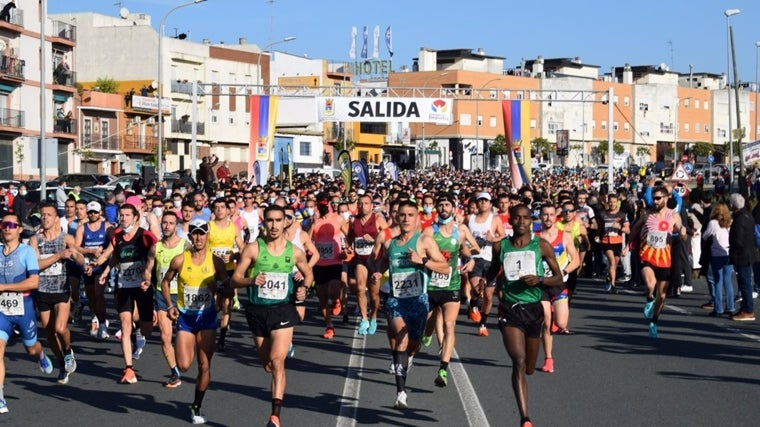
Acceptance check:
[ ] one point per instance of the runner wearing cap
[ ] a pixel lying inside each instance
(487, 230)
(91, 240)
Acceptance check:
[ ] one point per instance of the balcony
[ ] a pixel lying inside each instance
(63, 76)
(16, 16)
(186, 126)
(139, 144)
(11, 67)
(93, 142)
(64, 32)
(185, 87)
(12, 118)
(67, 126)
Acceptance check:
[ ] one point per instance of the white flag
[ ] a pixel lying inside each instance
(376, 48)
(352, 52)
(389, 41)
(364, 48)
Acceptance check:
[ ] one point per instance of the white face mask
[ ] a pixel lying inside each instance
(346, 215)
(158, 212)
(22, 192)
(14, 191)
(178, 203)
(183, 191)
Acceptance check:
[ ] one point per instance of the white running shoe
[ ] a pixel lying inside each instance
(400, 400)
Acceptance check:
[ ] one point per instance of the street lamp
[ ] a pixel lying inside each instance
(477, 119)
(159, 169)
(729, 13)
(424, 84)
(757, 78)
(258, 63)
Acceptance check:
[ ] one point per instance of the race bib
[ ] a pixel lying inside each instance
(172, 284)
(363, 247)
(221, 251)
(131, 274)
(55, 269)
(326, 250)
(197, 298)
(519, 264)
(657, 239)
(610, 230)
(12, 303)
(407, 284)
(275, 287)
(438, 280)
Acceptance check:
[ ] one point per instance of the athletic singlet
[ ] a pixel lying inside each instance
(252, 219)
(278, 270)
(326, 235)
(655, 240)
(479, 231)
(407, 280)
(519, 262)
(425, 223)
(15, 267)
(449, 247)
(612, 235)
(221, 241)
(93, 239)
(52, 278)
(563, 258)
(504, 217)
(362, 246)
(193, 293)
(132, 255)
(575, 232)
(164, 257)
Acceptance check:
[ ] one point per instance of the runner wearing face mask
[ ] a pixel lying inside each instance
(428, 215)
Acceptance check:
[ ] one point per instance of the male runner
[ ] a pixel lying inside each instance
(91, 239)
(615, 225)
(271, 314)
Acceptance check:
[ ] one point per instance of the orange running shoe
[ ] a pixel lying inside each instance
(475, 314)
(336, 307)
(548, 365)
(482, 331)
(329, 333)
(129, 376)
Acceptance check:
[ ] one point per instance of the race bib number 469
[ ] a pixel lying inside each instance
(12, 303)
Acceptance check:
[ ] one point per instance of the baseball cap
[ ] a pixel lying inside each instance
(483, 195)
(135, 201)
(93, 206)
(199, 226)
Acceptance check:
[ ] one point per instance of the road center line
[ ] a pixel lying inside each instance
(352, 387)
(470, 402)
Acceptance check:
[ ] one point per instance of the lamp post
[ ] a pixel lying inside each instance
(424, 84)
(675, 130)
(258, 62)
(159, 169)
(477, 119)
(757, 78)
(729, 13)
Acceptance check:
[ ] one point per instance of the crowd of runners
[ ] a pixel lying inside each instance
(412, 250)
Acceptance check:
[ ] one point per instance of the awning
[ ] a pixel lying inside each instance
(6, 88)
(60, 99)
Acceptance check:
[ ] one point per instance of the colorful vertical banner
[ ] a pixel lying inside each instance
(358, 171)
(517, 132)
(389, 40)
(344, 163)
(263, 120)
(290, 165)
(352, 51)
(257, 173)
(282, 167)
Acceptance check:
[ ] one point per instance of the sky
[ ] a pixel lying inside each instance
(677, 33)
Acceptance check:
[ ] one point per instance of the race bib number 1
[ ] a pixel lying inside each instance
(275, 287)
(12, 303)
(519, 264)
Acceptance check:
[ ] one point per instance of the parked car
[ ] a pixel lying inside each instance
(129, 180)
(33, 196)
(85, 179)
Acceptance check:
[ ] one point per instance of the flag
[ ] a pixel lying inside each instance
(376, 44)
(352, 52)
(364, 48)
(389, 41)
(392, 169)
(517, 134)
(282, 167)
(290, 165)
(257, 173)
(263, 120)
(358, 172)
(344, 163)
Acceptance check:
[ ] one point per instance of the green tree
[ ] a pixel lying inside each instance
(106, 85)
(498, 146)
(603, 147)
(151, 158)
(540, 145)
(347, 144)
(702, 148)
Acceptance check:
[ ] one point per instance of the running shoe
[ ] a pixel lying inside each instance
(46, 365)
(743, 317)
(652, 330)
(274, 421)
(372, 326)
(475, 314)
(77, 314)
(235, 303)
(427, 340)
(129, 376)
(70, 362)
(687, 288)
(329, 333)
(291, 351)
(554, 327)
(117, 335)
(649, 309)
(482, 331)
(3, 407)
(548, 365)
(363, 327)
(94, 324)
(400, 400)
(139, 345)
(103, 331)
(174, 381)
(63, 376)
(608, 287)
(526, 423)
(708, 306)
(195, 415)
(336, 308)
(442, 379)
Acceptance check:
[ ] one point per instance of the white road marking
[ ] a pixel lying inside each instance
(352, 387)
(472, 409)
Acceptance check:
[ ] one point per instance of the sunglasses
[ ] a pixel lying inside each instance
(289, 217)
(92, 212)
(568, 210)
(657, 198)
(5, 225)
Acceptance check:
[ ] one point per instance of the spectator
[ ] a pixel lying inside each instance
(223, 174)
(60, 198)
(74, 193)
(743, 254)
(111, 211)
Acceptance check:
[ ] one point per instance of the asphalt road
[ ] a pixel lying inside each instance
(702, 371)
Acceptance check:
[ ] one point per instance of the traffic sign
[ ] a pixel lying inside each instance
(680, 174)
(688, 167)
(710, 159)
(682, 190)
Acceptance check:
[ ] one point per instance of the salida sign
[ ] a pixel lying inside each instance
(344, 109)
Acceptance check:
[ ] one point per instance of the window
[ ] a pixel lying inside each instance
(643, 106)
(626, 127)
(553, 127)
(373, 128)
(465, 119)
(615, 126)
(615, 99)
(304, 148)
(722, 133)
(685, 127)
(626, 101)
(696, 127)
(666, 127)
(532, 123)
(604, 124)
(686, 102)
(707, 105)
(492, 121)
(707, 128)
(696, 103)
